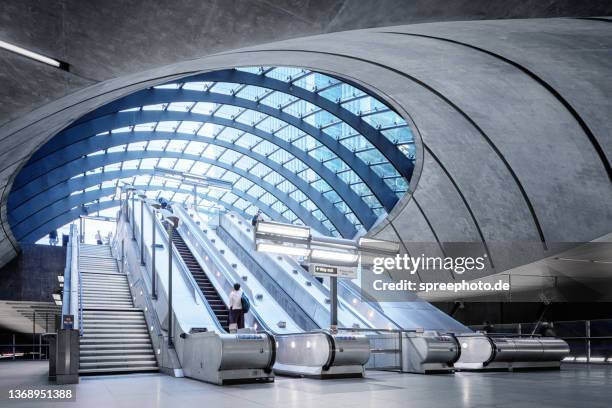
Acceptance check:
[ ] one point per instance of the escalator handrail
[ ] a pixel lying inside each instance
(184, 272)
(228, 272)
(204, 242)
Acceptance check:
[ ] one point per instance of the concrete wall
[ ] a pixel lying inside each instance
(32, 275)
(512, 117)
(102, 39)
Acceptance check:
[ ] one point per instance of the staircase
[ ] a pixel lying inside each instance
(206, 286)
(115, 336)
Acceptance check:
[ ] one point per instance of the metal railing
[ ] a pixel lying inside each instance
(24, 351)
(72, 292)
(66, 295)
(76, 250)
(385, 347)
(590, 341)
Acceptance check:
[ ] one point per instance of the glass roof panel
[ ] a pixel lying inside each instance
(374, 113)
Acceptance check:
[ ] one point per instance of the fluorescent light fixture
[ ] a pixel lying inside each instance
(335, 256)
(60, 278)
(285, 230)
(283, 249)
(30, 54)
(58, 302)
(56, 297)
(378, 245)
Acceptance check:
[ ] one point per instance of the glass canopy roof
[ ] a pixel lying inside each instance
(302, 146)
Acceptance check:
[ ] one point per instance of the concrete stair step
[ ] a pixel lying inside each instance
(142, 340)
(116, 352)
(102, 371)
(118, 358)
(117, 331)
(121, 364)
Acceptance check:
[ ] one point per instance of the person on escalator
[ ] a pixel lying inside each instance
(488, 327)
(236, 314)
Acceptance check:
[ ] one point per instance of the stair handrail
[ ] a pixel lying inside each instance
(80, 321)
(72, 298)
(67, 292)
(76, 249)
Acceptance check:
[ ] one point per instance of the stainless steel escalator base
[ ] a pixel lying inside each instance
(349, 371)
(515, 366)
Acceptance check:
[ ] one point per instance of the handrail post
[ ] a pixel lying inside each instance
(170, 342)
(587, 324)
(132, 220)
(153, 250)
(142, 245)
(333, 288)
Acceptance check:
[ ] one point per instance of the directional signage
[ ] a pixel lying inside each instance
(331, 271)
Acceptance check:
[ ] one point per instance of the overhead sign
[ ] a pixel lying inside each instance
(333, 271)
(68, 322)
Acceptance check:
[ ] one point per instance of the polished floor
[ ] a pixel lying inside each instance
(573, 386)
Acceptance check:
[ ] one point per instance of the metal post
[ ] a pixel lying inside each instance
(122, 255)
(33, 333)
(40, 346)
(587, 324)
(132, 220)
(333, 289)
(153, 250)
(142, 254)
(170, 343)
(13, 346)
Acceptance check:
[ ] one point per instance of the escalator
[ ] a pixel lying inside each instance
(208, 290)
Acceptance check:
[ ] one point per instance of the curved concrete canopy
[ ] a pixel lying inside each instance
(505, 156)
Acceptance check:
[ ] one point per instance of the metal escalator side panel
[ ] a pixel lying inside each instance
(350, 349)
(245, 350)
(272, 345)
(332, 352)
(308, 350)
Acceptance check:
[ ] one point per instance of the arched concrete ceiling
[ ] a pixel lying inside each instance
(102, 39)
(508, 152)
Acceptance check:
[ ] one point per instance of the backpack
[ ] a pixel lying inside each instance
(246, 304)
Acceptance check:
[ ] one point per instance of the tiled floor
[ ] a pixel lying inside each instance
(573, 386)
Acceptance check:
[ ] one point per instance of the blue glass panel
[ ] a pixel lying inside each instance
(399, 135)
(385, 170)
(397, 184)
